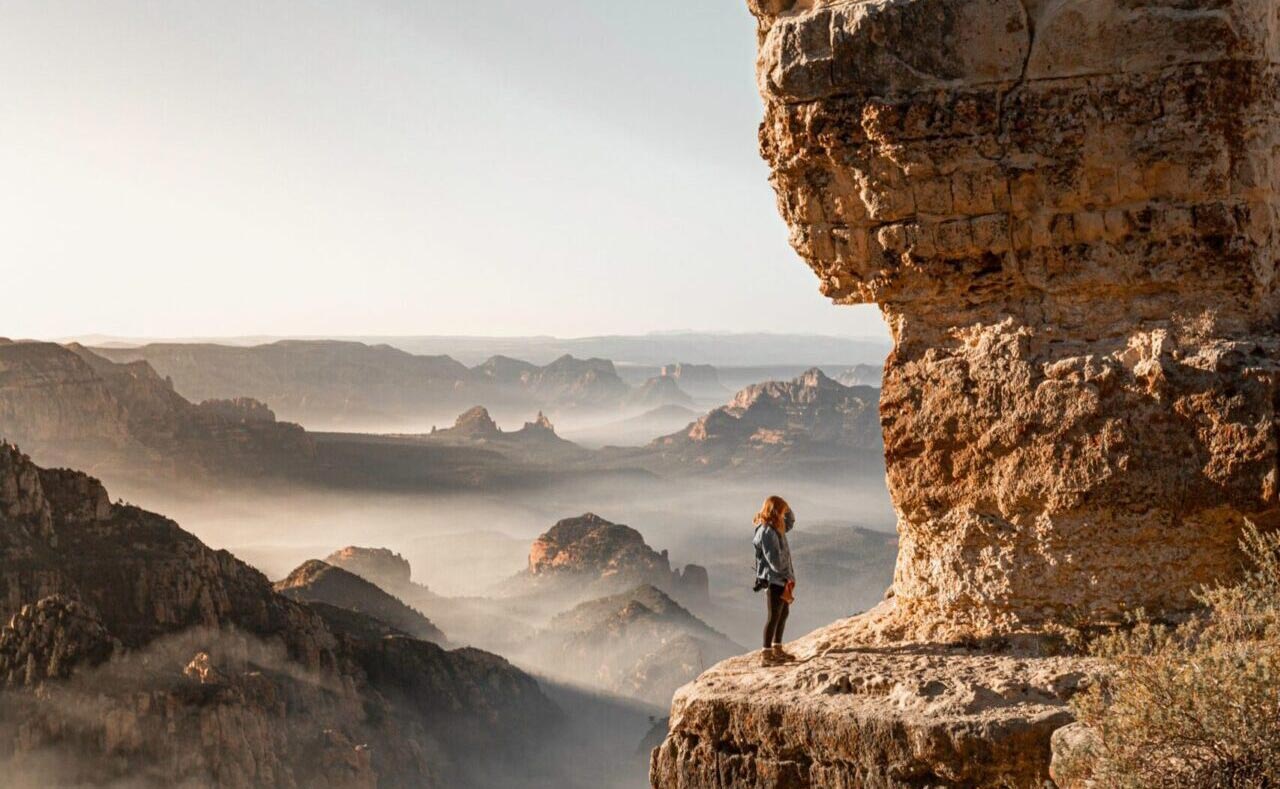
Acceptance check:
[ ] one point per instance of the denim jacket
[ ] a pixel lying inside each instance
(773, 557)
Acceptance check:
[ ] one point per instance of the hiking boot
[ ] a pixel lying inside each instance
(767, 658)
(781, 655)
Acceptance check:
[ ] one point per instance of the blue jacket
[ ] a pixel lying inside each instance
(773, 557)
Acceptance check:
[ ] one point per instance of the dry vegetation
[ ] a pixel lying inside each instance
(1192, 705)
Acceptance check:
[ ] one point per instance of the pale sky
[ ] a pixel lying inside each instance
(567, 167)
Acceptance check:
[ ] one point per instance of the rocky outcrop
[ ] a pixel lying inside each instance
(134, 654)
(588, 556)
(797, 426)
(315, 581)
(850, 713)
(591, 545)
(535, 443)
(474, 424)
(1066, 213)
(49, 639)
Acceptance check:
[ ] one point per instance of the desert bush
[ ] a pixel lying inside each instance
(1196, 704)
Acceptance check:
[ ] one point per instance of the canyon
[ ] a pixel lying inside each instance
(135, 654)
(1065, 212)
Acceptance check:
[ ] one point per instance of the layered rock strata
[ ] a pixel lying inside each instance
(1066, 213)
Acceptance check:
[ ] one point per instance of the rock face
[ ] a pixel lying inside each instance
(1066, 213)
(51, 397)
(798, 426)
(136, 655)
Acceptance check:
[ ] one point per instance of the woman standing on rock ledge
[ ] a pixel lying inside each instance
(774, 572)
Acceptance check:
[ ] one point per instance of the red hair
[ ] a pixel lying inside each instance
(773, 512)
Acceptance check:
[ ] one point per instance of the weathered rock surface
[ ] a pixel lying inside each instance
(1066, 212)
(850, 714)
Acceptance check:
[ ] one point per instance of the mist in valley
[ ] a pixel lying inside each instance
(463, 546)
(598, 542)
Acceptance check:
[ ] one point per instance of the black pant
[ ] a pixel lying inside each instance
(778, 609)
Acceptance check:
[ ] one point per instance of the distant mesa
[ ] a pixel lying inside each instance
(315, 581)
(380, 566)
(699, 380)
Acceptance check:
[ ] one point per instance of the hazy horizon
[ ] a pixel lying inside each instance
(186, 169)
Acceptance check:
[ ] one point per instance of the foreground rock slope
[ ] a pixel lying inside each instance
(1066, 213)
(136, 655)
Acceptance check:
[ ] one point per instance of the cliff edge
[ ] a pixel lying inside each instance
(1065, 212)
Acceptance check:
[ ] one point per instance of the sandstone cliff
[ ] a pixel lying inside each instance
(1066, 213)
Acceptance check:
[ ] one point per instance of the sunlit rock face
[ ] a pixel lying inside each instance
(1065, 211)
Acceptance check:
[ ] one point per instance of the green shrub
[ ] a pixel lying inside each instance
(1197, 704)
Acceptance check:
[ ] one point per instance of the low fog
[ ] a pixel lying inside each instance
(461, 545)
